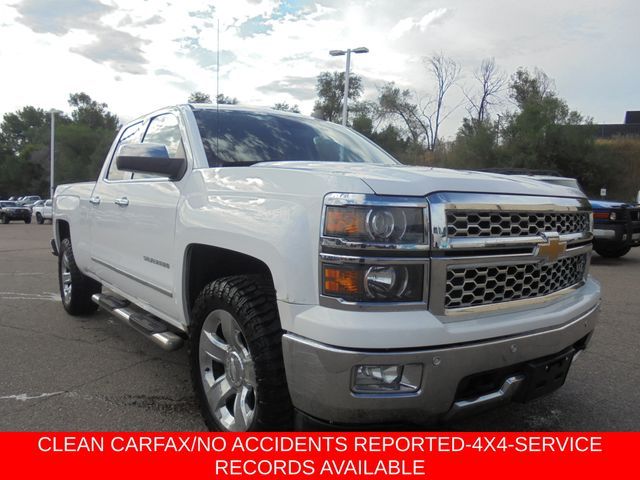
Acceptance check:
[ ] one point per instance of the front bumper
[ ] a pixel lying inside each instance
(620, 234)
(19, 215)
(320, 376)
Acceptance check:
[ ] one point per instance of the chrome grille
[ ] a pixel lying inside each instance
(472, 286)
(462, 223)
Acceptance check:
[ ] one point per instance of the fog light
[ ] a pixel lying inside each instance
(387, 378)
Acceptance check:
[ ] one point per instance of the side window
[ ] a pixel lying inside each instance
(131, 134)
(165, 130)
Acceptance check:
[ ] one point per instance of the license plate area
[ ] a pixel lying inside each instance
(545, 375)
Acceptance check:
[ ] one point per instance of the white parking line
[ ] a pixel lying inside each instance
(21, 274)
(23, 397)
(49, 296)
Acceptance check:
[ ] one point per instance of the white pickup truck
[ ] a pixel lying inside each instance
(313, 277)
(42, 210)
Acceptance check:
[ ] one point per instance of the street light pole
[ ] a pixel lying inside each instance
(52, 156)
(346, 89)
(347, 52)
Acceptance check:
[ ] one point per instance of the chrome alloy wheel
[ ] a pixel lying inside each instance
(66, 279)
(227, 372)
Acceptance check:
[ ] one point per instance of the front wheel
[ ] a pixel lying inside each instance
(39, 218)
(612, 252)
(75, 287)
(235, 351)
(4, 219)
(27, 220)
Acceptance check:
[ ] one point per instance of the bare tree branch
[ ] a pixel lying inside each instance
(445, 71)
(492, 81)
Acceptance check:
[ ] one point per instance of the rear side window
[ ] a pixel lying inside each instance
(130, 135)
(164, 130)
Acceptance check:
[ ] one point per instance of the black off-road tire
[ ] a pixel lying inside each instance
(27, 220)
(78, 300)
(39, 218)
(612, 252)
(251, 300)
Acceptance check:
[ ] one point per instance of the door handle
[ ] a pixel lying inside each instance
(94, 200)
(122, 202)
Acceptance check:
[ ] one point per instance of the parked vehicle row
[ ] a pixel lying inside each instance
(16, 210)
(13, 211)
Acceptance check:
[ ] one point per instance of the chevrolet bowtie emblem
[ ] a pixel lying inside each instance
(551, 250)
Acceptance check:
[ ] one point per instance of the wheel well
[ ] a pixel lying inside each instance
(63, 230)
(204, 264)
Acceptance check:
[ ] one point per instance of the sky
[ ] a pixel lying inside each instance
(139, 55)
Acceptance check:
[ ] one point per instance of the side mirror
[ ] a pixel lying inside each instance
(150, 158)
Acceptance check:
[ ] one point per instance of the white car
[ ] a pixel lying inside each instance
(43, 210)
(312, 275)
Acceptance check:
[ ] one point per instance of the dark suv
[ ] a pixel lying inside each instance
(12, 211)
(616, 227)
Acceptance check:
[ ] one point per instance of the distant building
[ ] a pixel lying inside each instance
(631, 126)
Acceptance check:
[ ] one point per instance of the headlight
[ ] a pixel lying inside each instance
(373, 250)
(373, 283)
(379, 224)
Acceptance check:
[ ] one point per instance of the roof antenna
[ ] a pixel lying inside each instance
(218, 93)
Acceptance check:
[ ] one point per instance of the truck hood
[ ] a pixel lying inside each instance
(419, 181)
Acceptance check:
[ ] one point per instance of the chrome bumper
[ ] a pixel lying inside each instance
(604, 233)
(320, 376)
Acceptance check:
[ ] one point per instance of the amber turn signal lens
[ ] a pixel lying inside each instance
(339, 280)
(344, 221)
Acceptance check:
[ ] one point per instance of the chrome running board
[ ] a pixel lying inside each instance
(151, 327)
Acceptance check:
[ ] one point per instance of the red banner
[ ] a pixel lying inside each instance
(317, 455)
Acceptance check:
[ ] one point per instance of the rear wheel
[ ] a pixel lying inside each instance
(4, 219)
(27, 220)
(75, 287)
(235, 352)
(39, 218)
(612, 252)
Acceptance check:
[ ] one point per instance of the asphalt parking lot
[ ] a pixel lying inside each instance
(64, 373)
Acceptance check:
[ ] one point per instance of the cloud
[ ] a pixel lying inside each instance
(120, 50)
(203, 14)
(254, 26)
(301, 88)
(153, 20)
(40, 17)
(407, 24)
(191, 48)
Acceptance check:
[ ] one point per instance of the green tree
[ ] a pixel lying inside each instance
(222, 99)
(199, 97)
(330, 89)
(475, 145)
(285, 107)
(91, 113)
(22, 127)
(82, 142)
(544, 133)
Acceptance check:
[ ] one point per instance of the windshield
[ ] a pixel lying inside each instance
(8, 204)
(242, 137)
